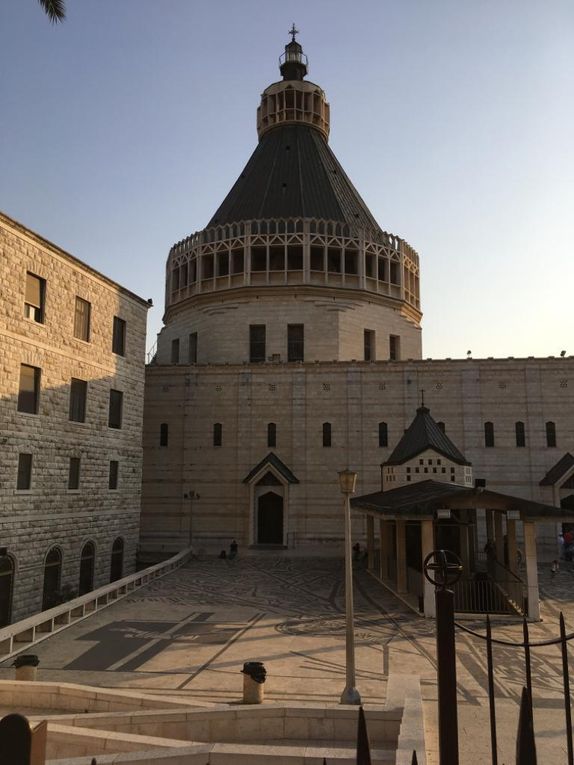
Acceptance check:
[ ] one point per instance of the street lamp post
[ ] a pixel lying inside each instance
(347, 481)
(191, 495)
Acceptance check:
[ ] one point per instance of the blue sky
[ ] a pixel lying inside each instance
(123, 129)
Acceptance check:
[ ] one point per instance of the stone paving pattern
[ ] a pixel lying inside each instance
(190, 632)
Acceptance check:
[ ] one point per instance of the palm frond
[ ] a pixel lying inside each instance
(54, 9)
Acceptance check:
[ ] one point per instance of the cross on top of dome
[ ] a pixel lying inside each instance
(293, 32)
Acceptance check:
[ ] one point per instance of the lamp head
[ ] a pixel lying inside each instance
(347, 481)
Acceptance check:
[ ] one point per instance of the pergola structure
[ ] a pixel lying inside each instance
(417, 518)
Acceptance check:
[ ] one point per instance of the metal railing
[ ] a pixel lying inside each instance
(485, 596)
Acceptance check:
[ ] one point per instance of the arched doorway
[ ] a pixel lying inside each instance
(6, 589)
(52, 578)
(117, 566)
(87, 561)
(270, 519)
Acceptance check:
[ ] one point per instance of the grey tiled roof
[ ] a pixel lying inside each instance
(278, 464)
(421, 499)
(557, 471)
(424, 433)
(294, 173)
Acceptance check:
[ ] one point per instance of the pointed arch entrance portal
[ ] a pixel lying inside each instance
(269, 484)
(270, 518)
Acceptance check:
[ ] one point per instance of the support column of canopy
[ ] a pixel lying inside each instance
(384, 544)
(499, 537)
(489, 526)
(427, 546)
(464, 543)
(512, 546)
(531, 570)
(370, 542)
(401, 556)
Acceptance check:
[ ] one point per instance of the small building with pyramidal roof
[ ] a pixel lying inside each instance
(427, 502)
(425, 452)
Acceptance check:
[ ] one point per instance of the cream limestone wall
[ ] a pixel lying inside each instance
(427, 466)
(354, 398)
(49, 514)
(334, 325)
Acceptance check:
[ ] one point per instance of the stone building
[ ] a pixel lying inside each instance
(72, 346)
(291, 348)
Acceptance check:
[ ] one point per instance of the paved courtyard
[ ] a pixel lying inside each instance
(190, 632)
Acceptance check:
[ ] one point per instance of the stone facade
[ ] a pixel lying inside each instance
(48, 514)
(354, 398)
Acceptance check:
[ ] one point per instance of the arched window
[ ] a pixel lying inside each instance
(550, 434)
(87, 561)
(117, 567)
(441, 427)
(6, 589)
(488, 434)
(383, 434)
(326, 434)
(217, 434)
(520, 434)
(163, 434)
(52, 578)
(271, 434)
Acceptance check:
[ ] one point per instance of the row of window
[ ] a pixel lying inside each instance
(382, 430)
(29, 397)
(520, 434)
(295, 345)
(284, 257)
(271, 434)
(25, 469)
(52, 592)
(35, 309)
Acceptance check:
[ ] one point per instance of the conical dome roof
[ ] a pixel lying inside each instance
(294, 173)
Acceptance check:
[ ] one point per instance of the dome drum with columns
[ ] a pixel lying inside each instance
(293, 233)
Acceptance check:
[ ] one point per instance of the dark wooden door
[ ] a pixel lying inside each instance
(270, 519)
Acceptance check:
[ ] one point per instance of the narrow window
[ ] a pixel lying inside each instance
(334, 260)
(381, 265)
(82, 319)
(395, 273)
(119, 336)
(113, 474)
(271, 435)
(115, 411)
(193, 348)
(175, 351)
(217, 434)
(294, 258)
(520, 434)
(550, 434)
(369, 344)
(326, 434)
(78, 395)
(441, 427)
(383, 434)
(488, 434)
(35, 297)
(117, 567)
(52, 577)
(29, 390)
(74, 473)
(317, 259)
(24, 479)
(351, 260)
(163, 434)
(295, 342)
(394, 347)
(256, 342)
(87, 560)
(6, 589)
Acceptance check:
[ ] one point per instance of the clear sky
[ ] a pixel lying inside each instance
(122, 129)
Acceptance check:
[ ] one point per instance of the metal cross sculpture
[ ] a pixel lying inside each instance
(442, 568)
(293, 32)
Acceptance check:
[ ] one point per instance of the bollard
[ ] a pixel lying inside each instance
(254, 675)
(26, 666)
